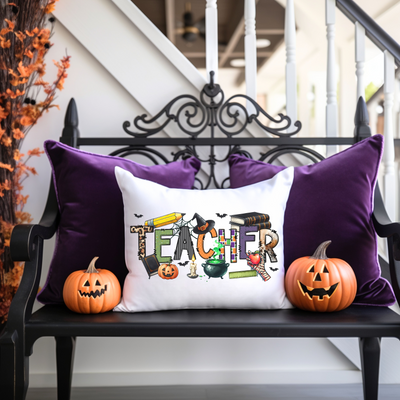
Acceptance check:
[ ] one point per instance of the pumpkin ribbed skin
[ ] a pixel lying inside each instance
(322, 284)
(92, 291)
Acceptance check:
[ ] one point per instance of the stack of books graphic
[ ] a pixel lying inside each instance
(259, 220)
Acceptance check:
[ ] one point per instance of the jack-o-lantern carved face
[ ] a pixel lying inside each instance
(319, 283)
(92, 288)
(91, 291)
(168, 271)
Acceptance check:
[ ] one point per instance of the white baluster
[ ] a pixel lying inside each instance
(388, 150)
(212, 38)
(170, 19)
(360, 59)
(331, 103)
(250, 52)
(291, 80)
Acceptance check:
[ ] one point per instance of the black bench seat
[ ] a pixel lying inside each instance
(370, 321)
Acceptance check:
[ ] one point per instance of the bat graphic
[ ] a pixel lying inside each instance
(184, 263)
(273, 269)
(138, 215)
(221, 215)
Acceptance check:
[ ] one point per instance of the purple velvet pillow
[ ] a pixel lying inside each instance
(92, 215)
(331, 200)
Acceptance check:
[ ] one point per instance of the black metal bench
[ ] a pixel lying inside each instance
(367, 323)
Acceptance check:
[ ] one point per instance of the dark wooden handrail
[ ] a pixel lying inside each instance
(373, 31)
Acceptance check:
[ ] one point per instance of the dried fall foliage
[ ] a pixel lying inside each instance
(25, 32)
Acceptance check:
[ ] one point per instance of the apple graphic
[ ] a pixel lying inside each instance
(254, 257)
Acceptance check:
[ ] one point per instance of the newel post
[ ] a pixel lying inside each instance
(70, 133)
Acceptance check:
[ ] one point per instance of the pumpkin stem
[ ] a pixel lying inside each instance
(91, 269)
(320, 253)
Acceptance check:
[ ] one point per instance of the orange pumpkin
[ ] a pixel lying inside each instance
(168, 271)
(92, 291)
(319, 283)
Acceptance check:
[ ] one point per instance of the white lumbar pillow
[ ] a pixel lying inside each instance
(218, 248)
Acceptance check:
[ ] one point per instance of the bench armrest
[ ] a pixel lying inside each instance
(384, 227)
(22, 237)
(27, 245)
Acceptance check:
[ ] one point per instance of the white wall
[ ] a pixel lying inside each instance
(103, 104)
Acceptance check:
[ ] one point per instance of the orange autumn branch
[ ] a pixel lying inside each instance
(25, 39)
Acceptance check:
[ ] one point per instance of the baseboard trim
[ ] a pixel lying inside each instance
(163, 378)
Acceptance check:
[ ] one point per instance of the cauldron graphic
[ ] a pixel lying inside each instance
(215, 268)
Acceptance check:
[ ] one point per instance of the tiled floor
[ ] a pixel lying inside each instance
(221, 392)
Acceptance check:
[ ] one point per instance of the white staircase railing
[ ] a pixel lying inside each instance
(250, 51)
(331, 102)
(364, 26)
(360, 59)
(388, 152)
(212, 38)
(291, 78)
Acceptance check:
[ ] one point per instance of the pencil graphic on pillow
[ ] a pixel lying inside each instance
(164, 220)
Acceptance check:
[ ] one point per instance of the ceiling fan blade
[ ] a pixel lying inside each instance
(201, 25)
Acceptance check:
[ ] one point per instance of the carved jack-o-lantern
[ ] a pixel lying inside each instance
(92, 291)
(319, 283)
(168, 271)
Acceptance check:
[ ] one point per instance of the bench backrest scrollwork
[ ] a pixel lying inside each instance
(210, 121)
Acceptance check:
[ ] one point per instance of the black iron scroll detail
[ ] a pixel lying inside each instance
(273, 154)
(153, 155)
(190, 109)
(194, 116)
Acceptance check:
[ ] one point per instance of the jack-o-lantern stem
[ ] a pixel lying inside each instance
(320, 253)
(91, 269)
